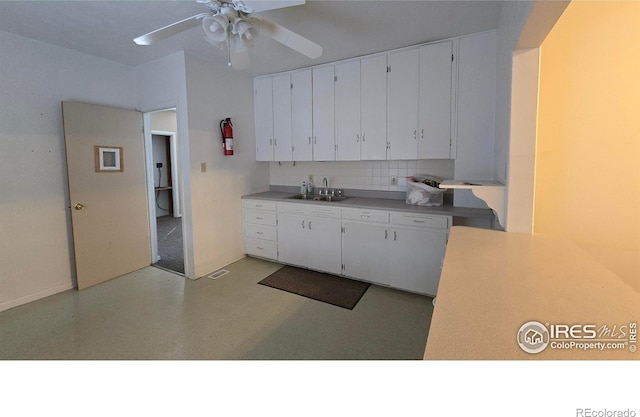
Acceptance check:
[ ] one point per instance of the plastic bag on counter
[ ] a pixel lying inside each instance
(422, 190)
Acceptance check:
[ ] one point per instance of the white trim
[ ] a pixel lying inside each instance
(33, 297)
(148, 156)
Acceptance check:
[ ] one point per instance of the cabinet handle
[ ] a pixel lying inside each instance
(415, 134)
(395, 235)
(363, 137)
(259, 247)
(357, 137)
(258, 205)
(275, 142)
(259, 233)
(309, 140)
(385, 234)
(418, 221)
(258, 218)
(309, 224)
(270, 142)
(421, 133)
(364, 216)
(315, 140)
(303, 224)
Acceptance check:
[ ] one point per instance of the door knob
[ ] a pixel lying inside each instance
(78, 206)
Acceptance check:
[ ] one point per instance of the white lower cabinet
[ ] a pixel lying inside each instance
(260, 233)
(407, 258)
(310, 237)
(362, 247)
(395, 249)
(416, 258)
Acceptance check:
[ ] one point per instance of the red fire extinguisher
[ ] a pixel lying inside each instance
(226, 128)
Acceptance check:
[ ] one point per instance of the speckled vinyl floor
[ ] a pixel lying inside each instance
(154, 314)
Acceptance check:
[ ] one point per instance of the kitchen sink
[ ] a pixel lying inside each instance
(329, 198)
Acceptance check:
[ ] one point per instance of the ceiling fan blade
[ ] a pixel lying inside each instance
(170, 30)
(264, 5)
(288, 38)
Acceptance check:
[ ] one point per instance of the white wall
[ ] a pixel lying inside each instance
(513, 17)
(216, 92)
(511, 169)
(36, 246)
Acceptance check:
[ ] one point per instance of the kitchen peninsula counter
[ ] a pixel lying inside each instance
(494, 282)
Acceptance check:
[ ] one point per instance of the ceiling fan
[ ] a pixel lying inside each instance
(232, 24)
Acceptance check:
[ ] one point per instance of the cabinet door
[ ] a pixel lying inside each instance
(434, 136)
(323, 114)
(364, 252)
(347, 108)
(301, 115)
(323, 245)
(373, 108)
(403, 104)
(417, 259)
(263, 110)
(292, 238)
(282, 118)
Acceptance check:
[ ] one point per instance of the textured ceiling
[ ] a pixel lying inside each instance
(343, 28)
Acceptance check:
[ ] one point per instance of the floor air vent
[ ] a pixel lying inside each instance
(218, 274)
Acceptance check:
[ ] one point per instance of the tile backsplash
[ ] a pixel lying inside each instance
(364, 175)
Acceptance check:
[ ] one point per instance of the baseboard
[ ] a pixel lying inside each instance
(33, 297)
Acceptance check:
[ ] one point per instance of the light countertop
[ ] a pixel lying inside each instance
(493, 282)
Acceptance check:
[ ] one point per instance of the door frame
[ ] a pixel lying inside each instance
(180, 170)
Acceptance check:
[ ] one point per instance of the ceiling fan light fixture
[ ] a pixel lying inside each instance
(245, 31)
(216, 27)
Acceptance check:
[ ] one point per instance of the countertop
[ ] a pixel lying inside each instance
(380, 204)
(493, 282)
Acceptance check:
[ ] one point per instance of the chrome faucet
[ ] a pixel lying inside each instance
(325, 183)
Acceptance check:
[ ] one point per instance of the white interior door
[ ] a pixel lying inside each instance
(108, 191)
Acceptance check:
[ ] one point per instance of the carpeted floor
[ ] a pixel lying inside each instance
(170, 246)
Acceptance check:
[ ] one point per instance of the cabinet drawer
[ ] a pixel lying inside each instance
(260, 217)
(434, 222)
(259, 205)
(366, 215)
(291, 208)
(258, 231)
(261, 248)
(327, 212)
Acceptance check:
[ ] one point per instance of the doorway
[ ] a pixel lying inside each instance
(165, 208)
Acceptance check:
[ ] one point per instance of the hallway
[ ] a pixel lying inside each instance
(170, 246)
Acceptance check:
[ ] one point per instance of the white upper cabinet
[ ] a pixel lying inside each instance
(263, 105)
(434, 120)
(323, 114)
(432, 101)
(403, 104)
(282, 118)
(302, 115)
(373, 108)
(347, 110)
